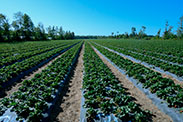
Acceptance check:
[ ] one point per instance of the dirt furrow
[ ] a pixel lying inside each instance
(7, 93)
(67, 108)
(140, 97)
(162, 74)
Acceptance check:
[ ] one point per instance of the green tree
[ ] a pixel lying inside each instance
(126, 35)
(117, 35)
(180, 28)
(27, 27)
(17, 26)
(54, 32)
(166, 32)
(23, 27)
(69, 35)
(57, 33)
(23, 30)
(61, 33)
(158, 33)
(142, 33)
(4, 28)
(39, 32)
(50, 31)
(72, 35)
(170, 34)
(133, 34)
(16, 32)
(112, 34)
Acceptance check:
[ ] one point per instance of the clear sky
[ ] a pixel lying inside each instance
(98, 17)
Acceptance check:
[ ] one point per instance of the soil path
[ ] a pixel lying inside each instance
(67, 108)
(140, 97)
(7, 93)
(164, 75)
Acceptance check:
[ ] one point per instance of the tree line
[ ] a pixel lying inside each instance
(167, 33)
(23, 29)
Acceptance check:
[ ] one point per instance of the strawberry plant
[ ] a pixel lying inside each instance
(8, 73)
(164, 88)
(32, 99)
(104, 95)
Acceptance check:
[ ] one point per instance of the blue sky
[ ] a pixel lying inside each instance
(98, 17)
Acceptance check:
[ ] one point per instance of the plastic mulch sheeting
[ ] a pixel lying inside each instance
(9, 116)
(143, 63)
(161, 104)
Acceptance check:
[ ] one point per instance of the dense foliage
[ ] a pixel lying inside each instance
(167, 33)
(18, 67)
(166, 57)
(23, 29)
(164, 88)
(35, 96)
(104, 94)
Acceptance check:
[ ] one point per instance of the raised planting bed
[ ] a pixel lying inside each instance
(36, 97)
(104, 96)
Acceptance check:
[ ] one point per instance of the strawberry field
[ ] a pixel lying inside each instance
(92, 80)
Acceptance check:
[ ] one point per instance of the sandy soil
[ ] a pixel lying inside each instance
(9, 91)
(68, 108)
(140, 97)
(162, 74)
(170, 77)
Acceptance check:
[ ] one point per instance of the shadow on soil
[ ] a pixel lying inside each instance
(57, 109)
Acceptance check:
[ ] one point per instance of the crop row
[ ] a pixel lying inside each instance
(35, 97)
(12, 59)
(19, 49)
(178, 60)
(103, 93)
(27, 48)
(173, 60)
(166, 48)
(9, 73)
(16, 48)
(175, 69)
(164, 88)
(165, 58)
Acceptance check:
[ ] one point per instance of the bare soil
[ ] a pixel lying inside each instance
(67, 108)
(140, 97)
(175, 80)
(162, 74)
(7, 93)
